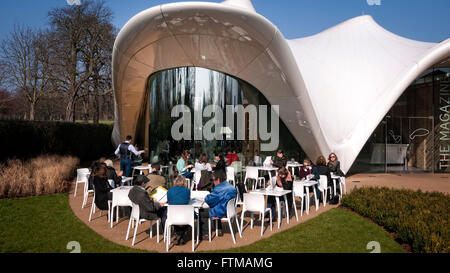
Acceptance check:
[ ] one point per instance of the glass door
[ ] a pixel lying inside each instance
(409, 144)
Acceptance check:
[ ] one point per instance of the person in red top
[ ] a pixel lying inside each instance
(231, 157)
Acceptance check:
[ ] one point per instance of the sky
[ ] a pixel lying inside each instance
(423, 20)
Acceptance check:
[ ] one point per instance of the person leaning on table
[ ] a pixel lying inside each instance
(179, 195)
(309, 172)
(284, 181)
(124, 150)
(148, 208)
(156, 179)
(217, 201)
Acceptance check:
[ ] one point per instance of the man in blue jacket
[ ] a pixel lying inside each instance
(217, 201)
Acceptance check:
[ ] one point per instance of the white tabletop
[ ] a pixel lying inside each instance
(307, 183)
(263, 168)
(276, 192)
(293, 164)
(148, 167)
(196, 203)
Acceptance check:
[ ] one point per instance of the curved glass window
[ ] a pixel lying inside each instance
(197, 88)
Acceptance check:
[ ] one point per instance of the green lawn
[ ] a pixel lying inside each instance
(335, 231)
(46, 224)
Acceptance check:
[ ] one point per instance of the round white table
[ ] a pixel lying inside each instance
(141, 169)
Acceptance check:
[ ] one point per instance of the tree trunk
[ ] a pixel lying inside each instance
(32, 110)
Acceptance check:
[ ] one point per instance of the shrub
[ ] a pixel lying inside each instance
(420, 219)
(27, 139)
(38, 176)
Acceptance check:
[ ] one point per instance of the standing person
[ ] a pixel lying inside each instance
(217, 201)
(101, 187)
(179, 195)
(124, 150)
(183, 166)
(257, 159)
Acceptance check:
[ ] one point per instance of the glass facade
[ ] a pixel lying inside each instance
(197, 88)
(415, 134)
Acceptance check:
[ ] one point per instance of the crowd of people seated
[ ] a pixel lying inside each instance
(104, 178)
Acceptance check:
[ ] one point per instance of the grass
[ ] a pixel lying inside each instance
(45, 224)
(38, 176)
(334, 231)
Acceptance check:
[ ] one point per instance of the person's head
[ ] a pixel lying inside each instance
(155, 167)
(283, 172)
(219, 156)
(128, 138)
(101, 160)
(100, 171)
(141, 180)
(280, 153)
(306, 162)
(332, 157)
(109, 163)
(180, 181)
(218, 176)
(256, 152)
(203, 159)
(230, 151)
(321, 161)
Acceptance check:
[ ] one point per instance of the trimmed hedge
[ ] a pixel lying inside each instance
(27, 139)
(420, 219)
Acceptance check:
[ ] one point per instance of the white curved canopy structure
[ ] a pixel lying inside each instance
(333, 88)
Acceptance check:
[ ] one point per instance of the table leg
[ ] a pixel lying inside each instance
(287, 207)
(307, 199)
(278, 210)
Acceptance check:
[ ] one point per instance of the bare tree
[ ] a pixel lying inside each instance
(25, 60)
(83, 37)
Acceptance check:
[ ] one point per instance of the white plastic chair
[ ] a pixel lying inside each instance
(298, 190)
(179, 215)
(255, 203)
(230, 175)
(323, 187)
(135, 217)
(252, 174)
(93, 207)
(196, 180)
(86, 193)
(237, 166)
(231, 216)
(238, 198)
(119, 201)
(82, 177)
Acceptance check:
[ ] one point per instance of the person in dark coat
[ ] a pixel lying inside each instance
(101, 187)
(112, 174)
(148, 208)
(322, 169)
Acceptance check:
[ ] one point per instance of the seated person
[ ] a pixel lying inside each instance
(156, 180)
(136, 160)
(202, 164)
(280, 160)
(309, 172)
(148, 208)
(217, 201)
(101, 187)
(322, 169)
(183, 166)
(283, 180)
(179, 195)
(231, 157)
(112, 174)
(220, 163)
